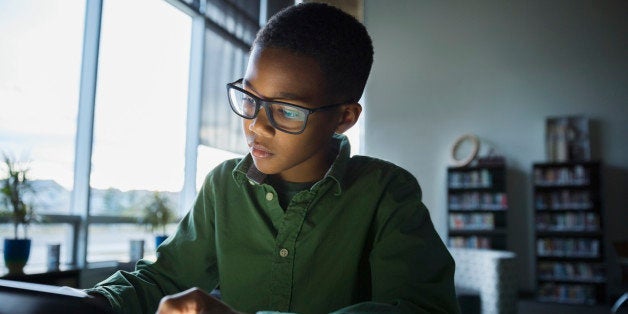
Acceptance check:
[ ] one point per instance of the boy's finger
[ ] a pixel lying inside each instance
(189, 301)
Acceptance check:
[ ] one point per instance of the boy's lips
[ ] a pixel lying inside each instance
(259, 151)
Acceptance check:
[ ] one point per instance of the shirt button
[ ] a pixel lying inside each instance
(283, 253)
(269, 196)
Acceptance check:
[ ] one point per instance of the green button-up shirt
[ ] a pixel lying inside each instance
(359, 240)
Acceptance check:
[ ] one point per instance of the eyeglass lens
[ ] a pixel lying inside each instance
(282, 116)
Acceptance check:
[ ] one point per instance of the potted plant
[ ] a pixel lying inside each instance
(158, 213)
(14, 185)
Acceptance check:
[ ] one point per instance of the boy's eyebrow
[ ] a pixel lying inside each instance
(281, 95)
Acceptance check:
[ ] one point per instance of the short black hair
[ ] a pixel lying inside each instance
(336, 40)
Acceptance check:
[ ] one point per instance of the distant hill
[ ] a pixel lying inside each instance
(51, 197)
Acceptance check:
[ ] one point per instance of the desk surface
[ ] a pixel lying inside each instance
(25, 298)
(68, 277)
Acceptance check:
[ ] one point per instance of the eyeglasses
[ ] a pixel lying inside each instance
(283, 116)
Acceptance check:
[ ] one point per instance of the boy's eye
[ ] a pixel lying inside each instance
(290, 113)
(248, 101)
(248, 105)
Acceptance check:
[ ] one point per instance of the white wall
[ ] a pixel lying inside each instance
(498, 69)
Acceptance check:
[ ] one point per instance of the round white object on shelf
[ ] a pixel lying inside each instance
(463, 143)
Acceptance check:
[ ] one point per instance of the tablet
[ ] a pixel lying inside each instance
(18, 297)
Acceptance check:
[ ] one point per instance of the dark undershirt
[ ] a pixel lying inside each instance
(287, 190)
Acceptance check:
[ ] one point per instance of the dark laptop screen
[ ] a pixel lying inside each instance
(29, 298)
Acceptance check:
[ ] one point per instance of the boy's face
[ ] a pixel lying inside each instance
(281, 75)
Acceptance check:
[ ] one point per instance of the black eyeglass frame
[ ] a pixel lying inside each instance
(262, 103)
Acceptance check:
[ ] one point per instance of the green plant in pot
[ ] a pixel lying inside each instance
(158, 213)
(14, 185)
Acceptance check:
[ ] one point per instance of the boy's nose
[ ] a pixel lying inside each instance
(260, 124)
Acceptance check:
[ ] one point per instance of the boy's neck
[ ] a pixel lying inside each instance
(317, 174)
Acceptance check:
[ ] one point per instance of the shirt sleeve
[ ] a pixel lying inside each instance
(186, 259)
(411, 269)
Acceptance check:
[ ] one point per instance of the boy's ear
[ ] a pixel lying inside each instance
(350, 114)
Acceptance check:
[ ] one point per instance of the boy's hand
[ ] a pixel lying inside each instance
(192, 301)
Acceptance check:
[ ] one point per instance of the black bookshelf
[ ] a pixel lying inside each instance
(570, 261)
(477, 205)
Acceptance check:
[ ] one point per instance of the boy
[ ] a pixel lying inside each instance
(297, 225)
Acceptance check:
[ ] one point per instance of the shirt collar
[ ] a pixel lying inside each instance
(246, 170)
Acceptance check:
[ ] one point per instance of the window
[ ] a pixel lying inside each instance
(39, 91)
(140, 115)
(40, 58)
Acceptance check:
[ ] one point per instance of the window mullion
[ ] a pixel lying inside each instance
(85, 129)
(193, 122)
